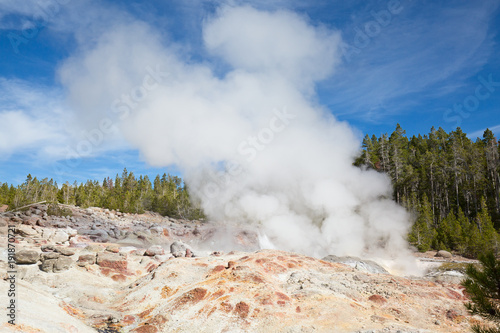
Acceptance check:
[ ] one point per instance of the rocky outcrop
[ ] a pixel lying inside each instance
(48, 248)
(98, 235)
(112, 261)
(87, 259)
(59, 236)
(94, 248)
(114, 248)
(154, 251)
(275, 291)
(27, 257)
(53, 262)
(25, 231)
(123, 281)
(65, 251)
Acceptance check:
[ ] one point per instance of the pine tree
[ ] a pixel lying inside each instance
(474, 241)
(398, 146)
(422, 234)
(488, 232)
(491, 151)
(483, 286)
(449, 233)
(456, 233)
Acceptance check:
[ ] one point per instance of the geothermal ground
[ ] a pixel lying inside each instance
(105, 271)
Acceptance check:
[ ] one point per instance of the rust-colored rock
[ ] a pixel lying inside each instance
(128, 320)
(119, 278)
(145, 313)
(151, 266)
(146, 329)
(226, 307)
(113, 261)
(218, 268)
(191, 297)
(242, 309)
(159, 320)
(166, 291)
(377, 299)
(282, 297)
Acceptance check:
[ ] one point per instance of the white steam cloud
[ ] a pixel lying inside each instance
(253, 144)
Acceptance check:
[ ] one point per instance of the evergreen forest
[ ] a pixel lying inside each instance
(448, 182)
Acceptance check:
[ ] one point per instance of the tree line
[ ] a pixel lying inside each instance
(450, 182)
(167, 195)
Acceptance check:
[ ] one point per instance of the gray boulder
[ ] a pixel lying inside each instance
(25, 231)
(444, 254)
(368, 266)
(27, 257)
(66, 251)
(48, 265)
(154, 250)
(50, 255)
(53, 262)
(62, 264)
(115, 233)
(86, 259)
(113, 248)
(156, 230)
(143, 234)
(179, 249)
(94, 248)
(97, 235)
(59, 237)
(48, 248)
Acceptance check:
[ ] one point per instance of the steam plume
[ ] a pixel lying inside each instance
(253, 143)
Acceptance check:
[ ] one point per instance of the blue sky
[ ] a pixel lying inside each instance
(414, 62)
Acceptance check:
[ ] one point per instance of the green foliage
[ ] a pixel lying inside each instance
(488, 232)
(448, 181)
(32, 190)
(57, 210)
(422, 233)
(126, 193)
(449, 233)
(483, 286)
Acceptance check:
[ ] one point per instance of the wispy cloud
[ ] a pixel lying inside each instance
(428, 50)
(479, 134)
(13, 7)
(35, 121)
(31, 119)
